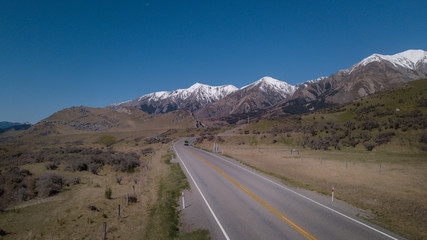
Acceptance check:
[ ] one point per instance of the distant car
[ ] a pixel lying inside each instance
(186, 143)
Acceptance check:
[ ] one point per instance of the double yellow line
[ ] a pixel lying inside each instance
(274, 211)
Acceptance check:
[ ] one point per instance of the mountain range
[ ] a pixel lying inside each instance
(7, 126)
(374, 73)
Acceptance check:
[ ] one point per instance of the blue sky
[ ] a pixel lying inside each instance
(58, 54)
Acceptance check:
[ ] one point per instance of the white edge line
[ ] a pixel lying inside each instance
(307, 198)
(210, 209)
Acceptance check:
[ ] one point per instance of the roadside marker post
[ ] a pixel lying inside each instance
(104, 231)
(333, 190)
(183, 201)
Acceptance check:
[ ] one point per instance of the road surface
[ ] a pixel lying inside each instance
(235, 202)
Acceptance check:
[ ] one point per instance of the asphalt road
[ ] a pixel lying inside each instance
(235, 202)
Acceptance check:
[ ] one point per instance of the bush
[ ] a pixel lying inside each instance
(107, 140)
(132, 198)
(125, 162)
(384, 137)
(49, 184)
(51, 166)
(93, 208)
(146, 151)
(119, 179)
(108, 193)
(423, 137)
(78, 165)
(369, 146)
(73, 181)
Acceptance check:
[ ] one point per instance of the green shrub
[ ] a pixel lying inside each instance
(108, 193)
(107, 140)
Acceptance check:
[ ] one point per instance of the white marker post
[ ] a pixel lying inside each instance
(183, 201)
(333, 194)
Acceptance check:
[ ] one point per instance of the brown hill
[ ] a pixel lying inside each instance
(87, 119)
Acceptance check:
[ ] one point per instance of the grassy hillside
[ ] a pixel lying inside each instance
(392, 120)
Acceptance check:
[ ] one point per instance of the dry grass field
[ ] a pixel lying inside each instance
(390, 185)
(78, 211)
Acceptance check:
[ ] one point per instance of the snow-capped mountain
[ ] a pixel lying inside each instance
(192, 98)
(211, 101)
(259, 95)
(309, 82)
(269, 84)
(410, 59)
(374, 73)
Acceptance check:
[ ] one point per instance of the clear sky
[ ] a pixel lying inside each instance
(58, 54)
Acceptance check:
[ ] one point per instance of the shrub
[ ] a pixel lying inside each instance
(93, 208)
(108, 193)
(423, 137)
(119, 179)
(146, 151)
(78, 164)
(94, 167)
(107, 140)
(49, 184)
(51, 166)
(73, 181)
(384, 137)
(132, 198)
(125, 162)
(369, 146)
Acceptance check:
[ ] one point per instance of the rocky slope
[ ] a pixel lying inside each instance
(259, 95)
(372, 74)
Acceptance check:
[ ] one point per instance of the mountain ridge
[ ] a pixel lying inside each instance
(374, 73)
(192, 98)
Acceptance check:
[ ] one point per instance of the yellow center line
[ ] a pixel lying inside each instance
(274, 211)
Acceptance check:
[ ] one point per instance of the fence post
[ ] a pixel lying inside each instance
(104, 231)
(118, 210)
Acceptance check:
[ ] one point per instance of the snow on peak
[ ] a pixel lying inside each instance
(269, 83)
(407, 59)
(306, 83)
(200, 92)
(414, 55)
(155, 96)
(197, 86)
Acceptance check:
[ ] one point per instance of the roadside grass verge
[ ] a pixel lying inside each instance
(163, 221)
